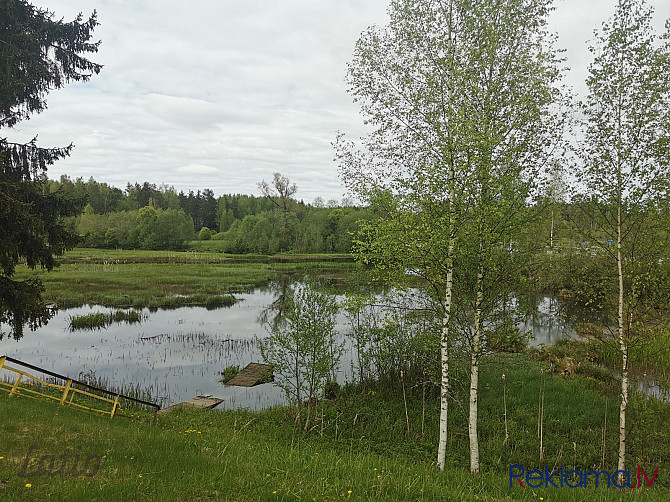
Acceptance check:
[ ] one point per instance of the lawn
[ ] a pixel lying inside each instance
(359, 450)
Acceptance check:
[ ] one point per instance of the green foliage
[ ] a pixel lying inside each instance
(393, 338)
(148, 228)
(38, 54)
(464, 99)
(301, 347)
(319, 230)
(507, 337)
(34, 64)
(280, 191)
(625, 156)
(248, 224)
(229, 372)
(440, 86)
(205, 234)
(101, 197)
(218, 301)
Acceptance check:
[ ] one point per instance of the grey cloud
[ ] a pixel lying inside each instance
(222, 93)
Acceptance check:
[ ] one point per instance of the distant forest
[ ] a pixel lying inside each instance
(148, 216)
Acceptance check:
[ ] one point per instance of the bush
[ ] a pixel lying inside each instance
(507, 338)
(302, 349)
(205, 234)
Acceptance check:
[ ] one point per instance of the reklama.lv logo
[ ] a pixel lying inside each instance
(574, 478)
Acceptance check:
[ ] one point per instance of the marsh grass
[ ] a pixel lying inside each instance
(100, 320)
(132, 390)
(167, 279)
(97, 320)
(600, 360)
(359, 451)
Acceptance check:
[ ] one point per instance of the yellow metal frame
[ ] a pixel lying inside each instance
(15, 389)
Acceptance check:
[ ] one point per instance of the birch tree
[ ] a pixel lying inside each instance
(625, 154)
(458, 94)
(280, 192)
(302, 348)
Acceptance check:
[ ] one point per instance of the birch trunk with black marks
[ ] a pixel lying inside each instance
(623, 348)
(474, 375)
(444, 361)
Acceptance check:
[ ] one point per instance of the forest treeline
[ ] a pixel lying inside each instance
(147, 216)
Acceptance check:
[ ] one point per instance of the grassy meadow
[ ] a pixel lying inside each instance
(362, 446)
(372, 441)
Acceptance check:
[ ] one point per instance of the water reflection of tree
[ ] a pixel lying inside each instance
(282, 289)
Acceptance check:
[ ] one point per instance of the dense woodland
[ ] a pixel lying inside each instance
(147, 216)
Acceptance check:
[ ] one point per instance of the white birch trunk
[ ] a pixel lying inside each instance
(474, 378)
(446, 316)
(621, 334)
(444, 359)
(623, 348)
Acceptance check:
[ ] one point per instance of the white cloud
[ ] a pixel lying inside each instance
(198, 169)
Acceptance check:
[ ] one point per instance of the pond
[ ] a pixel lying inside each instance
(178, 354)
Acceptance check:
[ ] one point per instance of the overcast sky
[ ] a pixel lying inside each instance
(221, 94)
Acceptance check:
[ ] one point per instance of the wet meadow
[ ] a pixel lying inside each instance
(158, 339)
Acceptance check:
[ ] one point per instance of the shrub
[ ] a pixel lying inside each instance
(205, 234)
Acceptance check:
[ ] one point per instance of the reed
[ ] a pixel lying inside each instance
(100, 320)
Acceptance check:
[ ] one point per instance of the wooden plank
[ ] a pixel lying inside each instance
(202, 402)
(252, 374)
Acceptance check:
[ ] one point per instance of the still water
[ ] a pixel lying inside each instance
(178, 354)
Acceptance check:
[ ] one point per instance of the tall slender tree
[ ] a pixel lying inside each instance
(460, 94)
(280, 192)
(625, 157)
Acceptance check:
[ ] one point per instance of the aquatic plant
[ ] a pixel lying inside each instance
(100, 320)
(229, 372)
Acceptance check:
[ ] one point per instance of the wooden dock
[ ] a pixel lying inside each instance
(252, 374)
(202, 402)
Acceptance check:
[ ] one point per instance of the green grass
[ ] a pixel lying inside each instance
(649, 358)
(229, 372)
(163, 279)
(358, 449)
(99, 320)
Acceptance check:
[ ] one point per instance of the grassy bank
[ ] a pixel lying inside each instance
(165, 279)
(360, 448)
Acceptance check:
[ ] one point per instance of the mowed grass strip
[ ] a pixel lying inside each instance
(241, 455)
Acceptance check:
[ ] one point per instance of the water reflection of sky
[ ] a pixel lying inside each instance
(178, 354)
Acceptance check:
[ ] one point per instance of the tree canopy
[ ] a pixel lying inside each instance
(462, 96)
(38, 54)
(625, 157)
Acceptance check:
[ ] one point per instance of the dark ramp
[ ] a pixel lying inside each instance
(253, 374)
